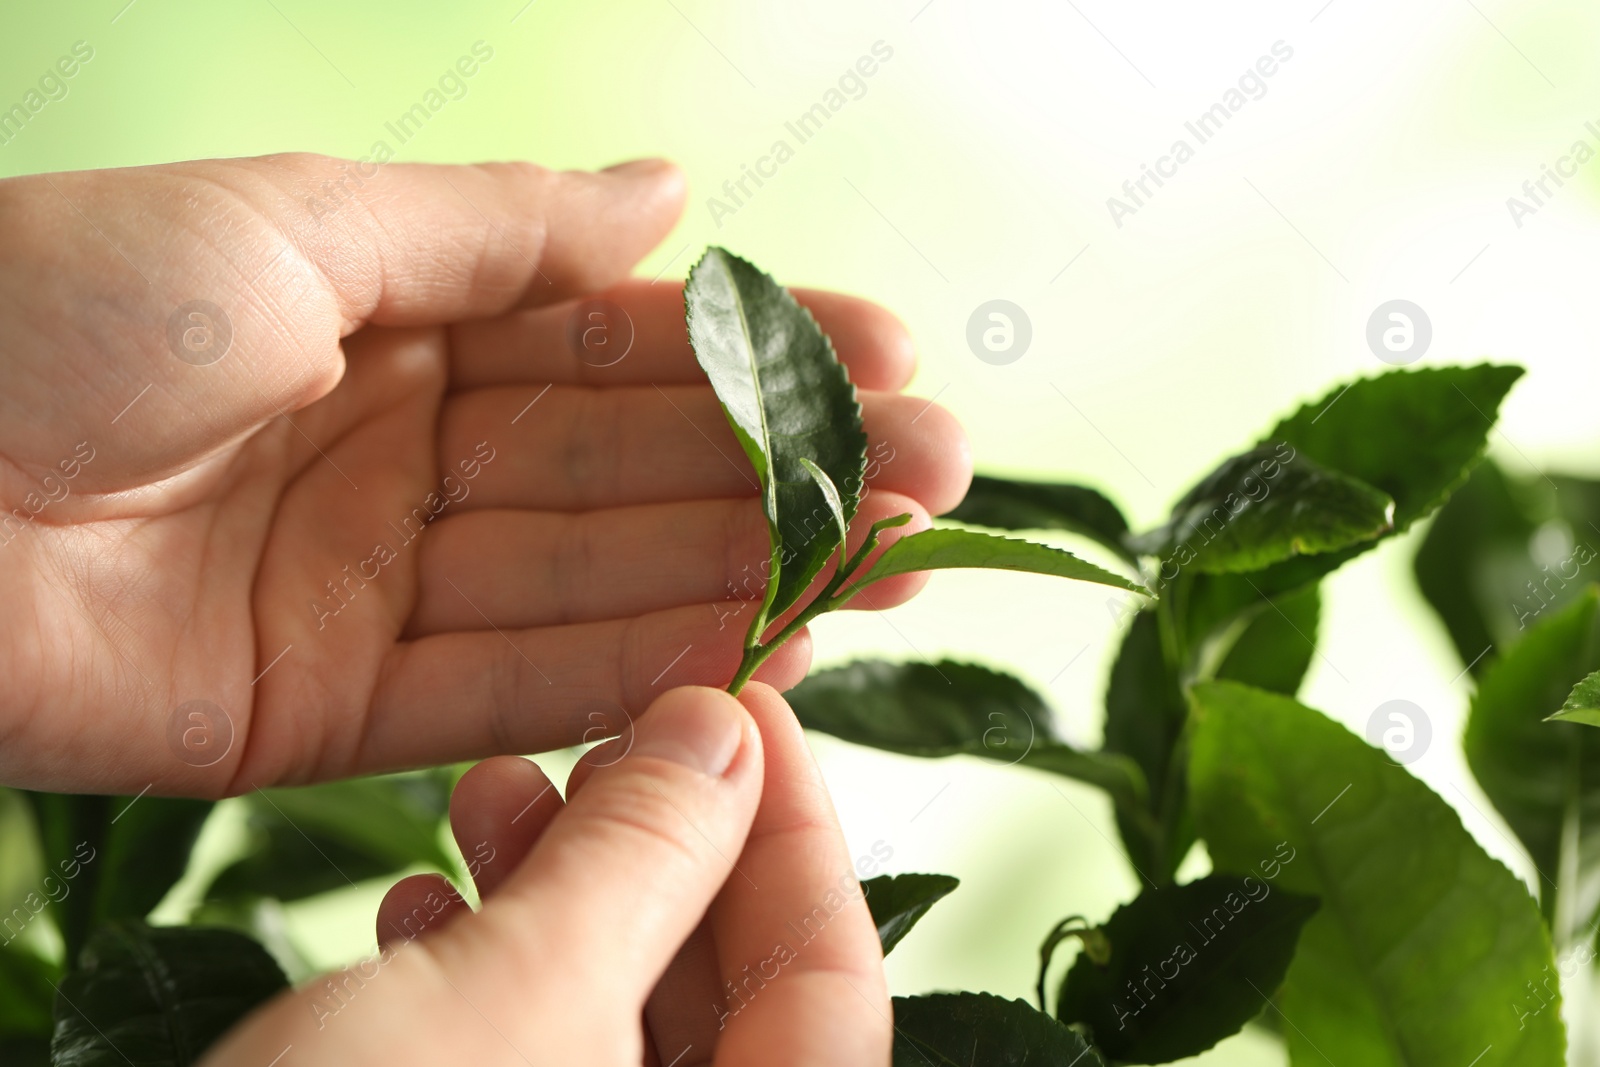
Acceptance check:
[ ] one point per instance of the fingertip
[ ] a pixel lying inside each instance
(416, 905)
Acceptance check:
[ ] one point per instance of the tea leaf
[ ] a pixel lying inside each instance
(899, 901)
(1014, 505)
(942, 549)
(967, 1029)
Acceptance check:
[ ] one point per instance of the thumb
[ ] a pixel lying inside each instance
(216, 292)
(626, 871)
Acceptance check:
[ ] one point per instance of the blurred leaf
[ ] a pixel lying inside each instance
(786, 396)
(311, 839)
(949, 709)
(1582, 704)
(1263, 506)
(158, 997)
(1544, 777)
(1145, 714)
(1424, 947)
(27, 990)
(1505, 550)
(982, 1030)
(124, 854)
(899, 901)
(942, 549)
(1013, 505)
(1277, 645)
(1189, 965)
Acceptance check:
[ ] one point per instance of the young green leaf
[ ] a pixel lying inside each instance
(787, 398)
(942, 549)
(1582, 704)
(1189, 965)
(830, 493)
(983, 1030)
(310, 839)
(1425, 947)
(1543, 778)
(127, 852)
(1264, 506)
(899, 901)
(1012, 505)
(157, 997)
(948, 709)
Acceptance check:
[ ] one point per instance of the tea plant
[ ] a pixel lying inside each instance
(1347, 908)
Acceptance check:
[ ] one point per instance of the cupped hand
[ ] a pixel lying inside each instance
(233, 393)
(673, 911)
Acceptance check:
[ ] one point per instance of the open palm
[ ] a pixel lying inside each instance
(234, 393)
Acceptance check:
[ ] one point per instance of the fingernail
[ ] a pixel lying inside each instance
(639, 168)
(695, 728)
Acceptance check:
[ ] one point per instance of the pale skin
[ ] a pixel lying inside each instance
(171, 528)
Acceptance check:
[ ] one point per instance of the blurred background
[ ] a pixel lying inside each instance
(975, 164)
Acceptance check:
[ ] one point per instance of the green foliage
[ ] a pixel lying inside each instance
(788, 399)
(1009, 505)
(1582, 704)
(120, 854)
(1423, 946)
(963, 1029)
(1184, 967)
(157, 997)
(1544, 777)
(1504, 552)
(1267, 505)
(312, 839)
(899, 901)
(950, 709)
(943, 549)
(1274, 650)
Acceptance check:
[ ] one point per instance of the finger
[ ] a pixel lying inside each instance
(516, 569)
(801, 956)
(623, 875)
(283, 276)
(681, 1012)
(587, 342)
(417, 905)
(469, 695)
(567, 448)
(497, 812)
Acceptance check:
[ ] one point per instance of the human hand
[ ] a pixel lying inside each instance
(578, 955)
(241, 533)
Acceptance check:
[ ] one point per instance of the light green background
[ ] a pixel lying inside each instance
(976, 166)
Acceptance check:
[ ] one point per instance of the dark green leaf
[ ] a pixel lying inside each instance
(1425, 947)
(123, 854)
(787, 397)
(1543, 777)
(1503, 551)
(982, 1030)
(1264, 506)
(1012, 505)
(941, 549)
(157, 997)
(27, 989)
(1414, 434)
(1582, 704)
(311, 839)
(1189, 966)
(949, 709)
(1145, 713)
(898, 901)
(1275, 650)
